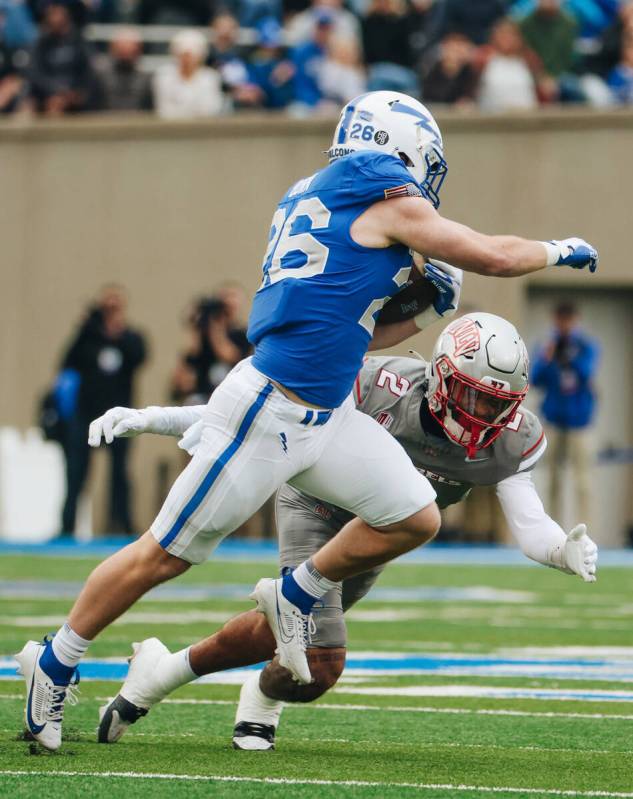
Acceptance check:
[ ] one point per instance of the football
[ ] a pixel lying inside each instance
(414, 297)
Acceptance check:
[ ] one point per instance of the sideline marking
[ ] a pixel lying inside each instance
(430, 786)
(370, 665)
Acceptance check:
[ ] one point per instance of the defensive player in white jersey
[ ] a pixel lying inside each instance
(460, 419)
(339, 248)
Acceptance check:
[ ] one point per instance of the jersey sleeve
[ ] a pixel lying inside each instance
(533, 442)
(377, 176)
(539, 536)
(384, 381)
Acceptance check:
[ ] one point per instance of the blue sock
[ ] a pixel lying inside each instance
(59, 673)
(295, 594)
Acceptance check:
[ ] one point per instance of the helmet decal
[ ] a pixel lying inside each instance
(465, 333)
(424, 122)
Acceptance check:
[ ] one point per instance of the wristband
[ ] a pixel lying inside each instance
(553, 253)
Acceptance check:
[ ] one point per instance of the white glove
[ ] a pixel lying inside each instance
(117, 423)
(580, 554)
(447, 280)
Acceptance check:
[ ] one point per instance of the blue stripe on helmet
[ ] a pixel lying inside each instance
(347, 117)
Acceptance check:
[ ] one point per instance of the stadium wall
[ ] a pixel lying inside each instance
(171, 209)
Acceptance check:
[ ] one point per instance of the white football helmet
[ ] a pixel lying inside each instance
(479, 377)
(394, 123)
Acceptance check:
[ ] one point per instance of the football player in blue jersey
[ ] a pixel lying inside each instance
(339, 248)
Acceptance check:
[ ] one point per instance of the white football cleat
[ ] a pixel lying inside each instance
(289, 626)
(44, 709)
(141, 690)
(256, 718)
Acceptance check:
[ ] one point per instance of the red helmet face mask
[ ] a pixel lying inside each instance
(473, 413)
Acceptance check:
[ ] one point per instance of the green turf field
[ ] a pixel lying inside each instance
(431, 733)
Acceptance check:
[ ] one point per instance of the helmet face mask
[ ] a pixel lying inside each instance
(478, 380)
(394, 124)
(436, 171)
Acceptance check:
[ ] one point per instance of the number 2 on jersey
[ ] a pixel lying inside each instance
(396, 384)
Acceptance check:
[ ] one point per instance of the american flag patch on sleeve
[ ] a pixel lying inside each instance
(406, 190)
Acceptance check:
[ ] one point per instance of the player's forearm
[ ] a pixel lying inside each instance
(390, 335)
(497, 256)
(541, 539)
(517, 256)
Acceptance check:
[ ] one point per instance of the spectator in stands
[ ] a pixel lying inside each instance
(564, 369)
(621, 76)
(251, 13)
(269, 69)
(308, 58)
(61, 78)
(474, 18)
(11, 80)
(185, 88)
(610, 49)
(106, 353)
(174, 12)
(19, 30)
(509, 71)
(123, 86)
(386, 34)
(551, 34)
(593, 16)
(302, 27)
(217, 342)
(341, 75)
(386, 44)
(229, 59)
(426, 24)
(452, 79)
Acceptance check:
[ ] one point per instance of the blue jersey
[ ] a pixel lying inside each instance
(313, 317)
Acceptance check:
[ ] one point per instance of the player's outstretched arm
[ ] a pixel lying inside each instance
(414, 222)
(540, 537)
(129, 422)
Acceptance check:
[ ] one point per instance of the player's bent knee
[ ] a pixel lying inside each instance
(431, 521)
(326, 666)
(151, 556)
(421, 526)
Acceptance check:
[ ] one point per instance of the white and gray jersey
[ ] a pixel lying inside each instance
(392, 389)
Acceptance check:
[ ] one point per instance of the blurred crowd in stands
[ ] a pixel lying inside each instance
(310, 56)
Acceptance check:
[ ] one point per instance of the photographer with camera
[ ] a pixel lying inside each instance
(217, 342)
(564, 369)
(105, 354)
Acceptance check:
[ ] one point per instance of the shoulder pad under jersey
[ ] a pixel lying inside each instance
(523, 441)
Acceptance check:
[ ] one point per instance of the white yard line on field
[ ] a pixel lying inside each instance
(392, 744)
(421, 786)
(386, 708)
